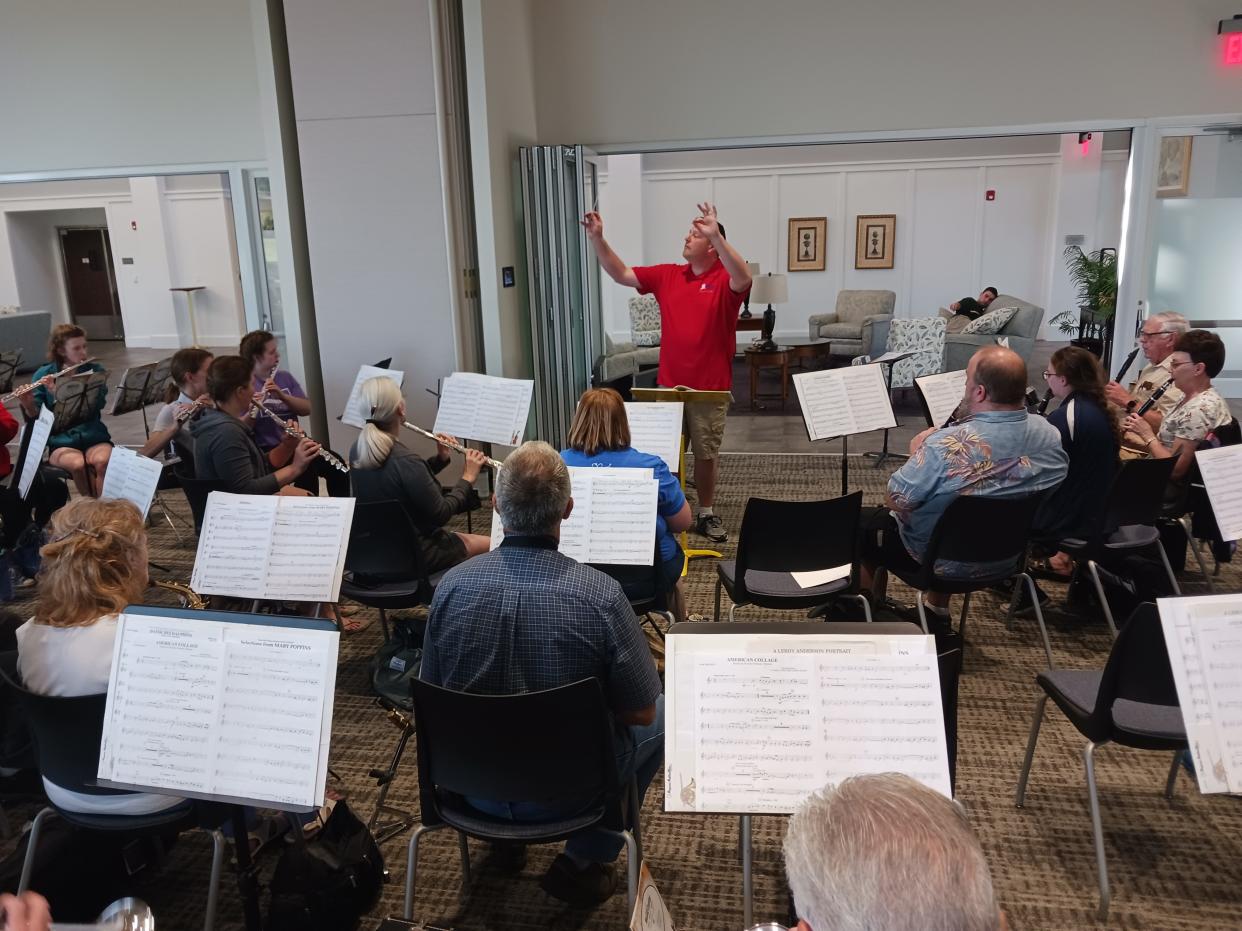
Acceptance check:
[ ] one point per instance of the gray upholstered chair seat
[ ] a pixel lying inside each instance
(850, 324)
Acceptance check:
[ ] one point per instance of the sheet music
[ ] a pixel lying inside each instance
(613, 519)
(40, 430)
(655, 428)
(132, 477)
(210, 708)
(822, 576)
(837, 402)
(1222, 476)
(758, 722)
(1204, 639)
(273, 547)
(356, 410)
(943, 393)
(484, 408)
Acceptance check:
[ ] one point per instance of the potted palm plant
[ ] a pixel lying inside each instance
(1094, 277)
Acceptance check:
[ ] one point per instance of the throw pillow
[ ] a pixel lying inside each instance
(644, 321)
(992, 322)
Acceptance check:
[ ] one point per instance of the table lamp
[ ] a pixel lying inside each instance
(754, 273)
(769, 289)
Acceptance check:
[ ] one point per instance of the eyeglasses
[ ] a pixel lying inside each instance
(1048, 375)
(1143, 334)
(1173, 365)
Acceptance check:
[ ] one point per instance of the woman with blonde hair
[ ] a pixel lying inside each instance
(384, 469)
(600, 436)
(94, 564)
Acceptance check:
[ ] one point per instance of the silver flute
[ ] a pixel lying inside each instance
(494, 463)
(26, 389)
(323, 453)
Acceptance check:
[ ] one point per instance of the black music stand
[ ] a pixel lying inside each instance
(131, 392)
(887, 368)
(159, 381)
(78, 399)
(10, 359)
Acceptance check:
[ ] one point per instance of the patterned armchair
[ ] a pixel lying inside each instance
(924, 336)
(850, 325)
(645, 329)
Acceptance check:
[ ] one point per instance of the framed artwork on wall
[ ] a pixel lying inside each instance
(1173, 168)
(876, 237)
(808, 244)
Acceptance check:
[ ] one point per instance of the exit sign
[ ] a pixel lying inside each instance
(1233, 48)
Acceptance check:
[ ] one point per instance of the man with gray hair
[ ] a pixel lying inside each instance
(524, 618)
(886, 853)
(1157, 337)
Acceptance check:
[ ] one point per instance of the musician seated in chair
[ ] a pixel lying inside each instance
(1197, 358)
(187, 388)
(224, 447)
(82, 450)
(1157, 338)
(600, 436)
(383, 468)
(16, 513)
(997, 449)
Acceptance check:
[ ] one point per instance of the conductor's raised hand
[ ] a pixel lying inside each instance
(305, 454)
(707, 224)
(593, 223)
(475, 460)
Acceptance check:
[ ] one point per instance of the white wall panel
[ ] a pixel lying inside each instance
(668, 208)
(810, 292)
(942, 239)
(879, 192)
(1016, 231)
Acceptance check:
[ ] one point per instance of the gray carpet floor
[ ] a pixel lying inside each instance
(1174, 864)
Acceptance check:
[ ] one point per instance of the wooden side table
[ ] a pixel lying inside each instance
(757, 359)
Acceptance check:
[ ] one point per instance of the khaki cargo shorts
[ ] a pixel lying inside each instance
(705, 422)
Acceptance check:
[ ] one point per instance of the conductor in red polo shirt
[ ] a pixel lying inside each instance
(699, 302)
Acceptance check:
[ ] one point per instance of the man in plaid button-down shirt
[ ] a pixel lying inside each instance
(525, 618)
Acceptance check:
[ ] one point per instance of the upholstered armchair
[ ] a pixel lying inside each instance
(1021, 330)
(924, 336)
(850, 325)
(645, 329)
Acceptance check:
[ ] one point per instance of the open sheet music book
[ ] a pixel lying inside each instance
(273, 547)
(356, 411)
(754, 723)
(40, 430)
(839, 402)
(1204, 638)
(220, 706)
(132, 477)
(484, 408)
(942, 393)
(613, 520)
(1222, 477)
(655, 428)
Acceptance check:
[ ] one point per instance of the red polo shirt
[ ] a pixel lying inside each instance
(8, 430)
(698, 324)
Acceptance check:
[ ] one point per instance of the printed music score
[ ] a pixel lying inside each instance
(484, 408)
(759, 722)
(655, 428)
(220, 710)
(942, 393)
(40, 430)
(273, 547)
(839, 402)
(356, 409)
(132, 477)
(1204, 638)
(1222, 477)
(613, 518)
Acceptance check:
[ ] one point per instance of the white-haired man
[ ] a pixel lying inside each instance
(1157, 339)
(885, 853)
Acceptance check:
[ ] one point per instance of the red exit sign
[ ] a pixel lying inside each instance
(1233, 48)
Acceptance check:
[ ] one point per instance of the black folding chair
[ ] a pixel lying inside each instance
(779, 538)
(543, 747)
(1132, 702)
(1128, 526)
(196, 492)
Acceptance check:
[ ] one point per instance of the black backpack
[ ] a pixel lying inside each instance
(397, 662)
(328, 883)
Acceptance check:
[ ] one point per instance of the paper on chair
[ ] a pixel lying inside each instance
(754, 723)
(655, 428)
(40, 430)
(356, 410)
(822, 576)
(484, 408)
(132, 477)
(213, 709)
(840, 402)
(943, 393)
(273, 547)
(1222, 477)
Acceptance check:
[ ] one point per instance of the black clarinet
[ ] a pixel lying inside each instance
(1125, 366)
(1042, 410)
(1155, 396)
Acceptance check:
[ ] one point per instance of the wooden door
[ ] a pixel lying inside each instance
(90, 283)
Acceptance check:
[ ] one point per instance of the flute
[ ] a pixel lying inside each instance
(26, 389)
(1155, 396)
(494, 463)
(1125, 366)
(323, 453)
(195, 406)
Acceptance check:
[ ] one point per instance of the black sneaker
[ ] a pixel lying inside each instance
(588, 887)
(1025, 605)
(712, 527)
(506, 857)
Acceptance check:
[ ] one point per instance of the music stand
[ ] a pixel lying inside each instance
(689, 396)
(888, 360)
(386, 363)
(159, 381)
(131, 392)
(10, 359)
(78, 399)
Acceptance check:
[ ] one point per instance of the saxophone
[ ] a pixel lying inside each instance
(189, 597)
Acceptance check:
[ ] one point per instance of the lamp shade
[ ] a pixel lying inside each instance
(769, 289)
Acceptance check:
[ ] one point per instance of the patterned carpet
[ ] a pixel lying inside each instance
(1174, 865)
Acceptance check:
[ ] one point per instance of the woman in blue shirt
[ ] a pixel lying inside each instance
(600, 436)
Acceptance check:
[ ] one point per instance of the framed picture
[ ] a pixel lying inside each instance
(877, 234)
(808, 243)
(1173, 169)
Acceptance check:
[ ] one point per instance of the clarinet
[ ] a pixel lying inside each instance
(1125, 366)
(1155, 396)
(323, 453)
(1044, 402)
